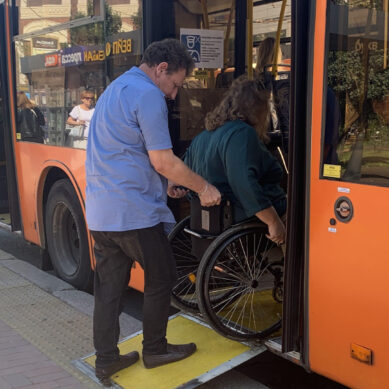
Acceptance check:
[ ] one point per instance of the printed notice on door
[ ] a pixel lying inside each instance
(205, 46)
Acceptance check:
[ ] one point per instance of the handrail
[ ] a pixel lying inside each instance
(386, 10)
(228, 33)
(278, 38)
(249, 32)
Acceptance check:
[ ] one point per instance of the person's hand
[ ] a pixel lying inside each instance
(277, 232)
(209, 196)
(176, 192)
(81, 122)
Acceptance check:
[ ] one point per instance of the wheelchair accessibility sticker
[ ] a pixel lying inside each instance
(205, 46)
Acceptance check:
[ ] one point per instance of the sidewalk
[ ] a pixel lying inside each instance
(40, 334)
(23, 366)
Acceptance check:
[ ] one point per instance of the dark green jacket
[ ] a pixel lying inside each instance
(236, 161)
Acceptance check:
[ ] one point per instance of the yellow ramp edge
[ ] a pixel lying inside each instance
(214, 356)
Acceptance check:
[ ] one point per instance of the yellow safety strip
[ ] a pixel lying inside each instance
(213, 351)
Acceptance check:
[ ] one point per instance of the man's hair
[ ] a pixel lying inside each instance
(171, 51)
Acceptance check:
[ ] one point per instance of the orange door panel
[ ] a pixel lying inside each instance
(348, 299)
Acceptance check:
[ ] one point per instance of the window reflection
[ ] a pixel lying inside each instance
(356, 136)
(59, 66)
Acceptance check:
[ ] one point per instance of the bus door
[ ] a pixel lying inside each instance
(348, 206)
(9, 209)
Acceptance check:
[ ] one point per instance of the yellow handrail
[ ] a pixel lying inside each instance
(278, 39)
(249, 29)
(228, 33)
(386, 10)
(205, 14)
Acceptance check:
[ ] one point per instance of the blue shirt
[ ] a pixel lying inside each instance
(124, 192)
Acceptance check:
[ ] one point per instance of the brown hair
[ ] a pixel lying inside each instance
(23, 101)
(246, 100)
(265, 54)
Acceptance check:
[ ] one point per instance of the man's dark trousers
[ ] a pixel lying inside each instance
(114, 254)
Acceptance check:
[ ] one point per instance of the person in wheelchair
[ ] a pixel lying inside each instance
(231, 154)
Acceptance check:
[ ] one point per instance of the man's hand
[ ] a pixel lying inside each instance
(175, 191)
(209, 196)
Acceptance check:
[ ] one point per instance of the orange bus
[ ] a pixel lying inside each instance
(336, 93)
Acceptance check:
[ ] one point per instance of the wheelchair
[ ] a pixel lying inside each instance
(230, 273)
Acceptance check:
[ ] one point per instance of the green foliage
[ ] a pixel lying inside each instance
(375, 4)
(346, 74)
(93, 34)
(137, 20)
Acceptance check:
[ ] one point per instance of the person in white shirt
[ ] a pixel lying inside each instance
(81, 116)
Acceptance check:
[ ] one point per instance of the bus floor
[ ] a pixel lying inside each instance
(215, 355)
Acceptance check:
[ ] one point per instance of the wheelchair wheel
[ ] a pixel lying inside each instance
(239, 283)
(184, 291)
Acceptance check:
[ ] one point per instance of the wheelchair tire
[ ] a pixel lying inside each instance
(237, 281)
(184, 291)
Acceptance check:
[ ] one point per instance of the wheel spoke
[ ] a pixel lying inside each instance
(238, 287)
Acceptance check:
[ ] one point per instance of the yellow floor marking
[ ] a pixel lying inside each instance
(5, 218)
(260, 310)
(213, 350)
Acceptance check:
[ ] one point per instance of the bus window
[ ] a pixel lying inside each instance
(204, 89)
(3, 175)
(275, 71)
(265, 23)
(35, 15)
(355, 141)
(61, 72)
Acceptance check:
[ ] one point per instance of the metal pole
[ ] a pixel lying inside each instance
(386, 34)
(278, 38)
(205, 14)
(249, 48)
(228, 33)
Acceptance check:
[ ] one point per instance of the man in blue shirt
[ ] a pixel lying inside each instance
(128, 165)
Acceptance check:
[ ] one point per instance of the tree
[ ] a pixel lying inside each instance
(93, 34)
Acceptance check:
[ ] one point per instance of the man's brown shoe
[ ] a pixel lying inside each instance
(175, 352)
(102, 373)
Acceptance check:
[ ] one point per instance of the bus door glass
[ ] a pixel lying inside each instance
(63, 58)
(211, 21)
(224, 22)
(4, 208)
(349, 189)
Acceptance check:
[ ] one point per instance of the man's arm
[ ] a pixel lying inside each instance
(171, 167)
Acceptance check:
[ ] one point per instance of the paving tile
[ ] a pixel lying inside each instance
(16, 380)
(49, 377)
(4, 384)
(46, 385)
(67, 381)
(44, 370)
(24, 368)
